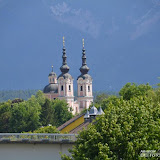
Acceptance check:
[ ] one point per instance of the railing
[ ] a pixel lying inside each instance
(36, 137)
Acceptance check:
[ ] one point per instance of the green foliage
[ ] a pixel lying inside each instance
(23, 116)
(131, 123)
(47, 129)
(61, 113)
(131, 90)
(47, 113)
(99, 98)
(5, 116)
(105, 102)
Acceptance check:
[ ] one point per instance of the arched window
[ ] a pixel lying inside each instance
(53, 80)
(69, 87)
(81, 88)
(50, 79)
(88, 88)
(62, 88)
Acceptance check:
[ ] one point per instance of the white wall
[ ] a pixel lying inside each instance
(19, 151)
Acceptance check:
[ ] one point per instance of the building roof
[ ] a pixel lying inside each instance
(64, 68)
(52, 87)
(86, 115)
(84, 76)
(69, 122)
(65, 76)
(52, 74)
(79, 128)
(84, 68)
(93, 111)
(100, 112)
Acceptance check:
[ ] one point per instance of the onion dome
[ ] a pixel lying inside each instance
(85, 76)
(52, 73)
(86, 116)
(100, 112)
(51, 88)
(84, 68)
(64, 68)
(93, 111)
(65, 76)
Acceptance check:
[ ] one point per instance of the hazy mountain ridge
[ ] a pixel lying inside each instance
(5, 95)
(12, 94)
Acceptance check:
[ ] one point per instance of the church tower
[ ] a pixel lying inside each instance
(84, 83)
(51, 90)
(65, 82)
(52, 77)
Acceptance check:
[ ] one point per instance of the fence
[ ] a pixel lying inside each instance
(36, 137)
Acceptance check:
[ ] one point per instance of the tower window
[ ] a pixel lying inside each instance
(81, 88)
(69, 87)
(50, 79)
(61, 88)
(53, 80)
(88, 88)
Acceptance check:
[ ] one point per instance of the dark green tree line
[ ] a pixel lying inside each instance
(23, 116)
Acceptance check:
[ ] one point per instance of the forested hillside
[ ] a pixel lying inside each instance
(26, 94)
(12, 94)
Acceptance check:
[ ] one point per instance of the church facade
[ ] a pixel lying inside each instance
(61, 87)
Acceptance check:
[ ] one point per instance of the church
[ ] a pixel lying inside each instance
(61, 87)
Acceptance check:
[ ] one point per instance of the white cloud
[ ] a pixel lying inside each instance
(80, 19)
(144, 26)
(145, 22)
(60, 9)
(156, 2)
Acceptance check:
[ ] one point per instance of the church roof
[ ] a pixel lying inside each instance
(65, 76)
(84, 68)
(52, 74)
(85, 76)
(52, 87)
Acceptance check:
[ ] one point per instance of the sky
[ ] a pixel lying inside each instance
(122, 41)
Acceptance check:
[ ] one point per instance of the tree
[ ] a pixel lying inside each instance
(61, 112)
(25, 116)
(126, 128)
(40, 97)
(131, 90)
(111, 99)
(5, 115)
(47, 113)
(47, 129)
(100, 97)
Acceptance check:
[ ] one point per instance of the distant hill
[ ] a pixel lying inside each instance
(25, 94)
(12, 94)
(96, 93)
